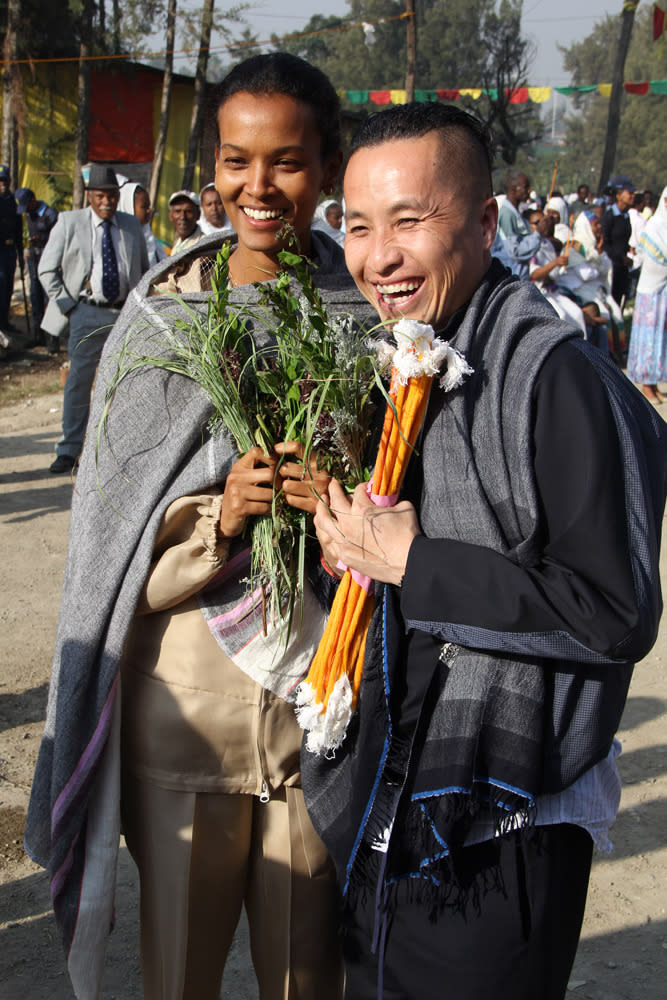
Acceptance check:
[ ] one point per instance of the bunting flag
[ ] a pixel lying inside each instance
(538, 95)
(659, 22)
(521, 95)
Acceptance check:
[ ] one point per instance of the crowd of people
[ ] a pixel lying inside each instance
(449, 839)
(584, 253)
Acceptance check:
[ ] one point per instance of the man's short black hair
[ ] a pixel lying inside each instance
(417, 119)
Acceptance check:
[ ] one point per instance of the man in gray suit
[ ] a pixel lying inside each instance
(93, 257)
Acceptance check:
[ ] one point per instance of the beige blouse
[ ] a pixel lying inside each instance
(191, 719)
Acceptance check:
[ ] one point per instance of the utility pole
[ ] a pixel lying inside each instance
(165, 104)
(83, 97)
(411, 50)
(614, 119)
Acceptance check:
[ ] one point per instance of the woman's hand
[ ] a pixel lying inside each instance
(373, 540)
(248, 490)
(304, 485)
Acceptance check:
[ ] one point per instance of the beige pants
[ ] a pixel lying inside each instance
(200, 858)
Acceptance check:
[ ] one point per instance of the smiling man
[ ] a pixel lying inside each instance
(184, 211)
(462, 808)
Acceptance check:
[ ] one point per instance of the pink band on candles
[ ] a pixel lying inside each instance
(384, 501)
(364, 582)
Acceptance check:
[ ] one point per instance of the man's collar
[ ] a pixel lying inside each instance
(618, 211)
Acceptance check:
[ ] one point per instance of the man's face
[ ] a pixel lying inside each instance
(212, 208)
(543, 224)
(418, 238)
(183, 215)
(521, 188)
(583, 192)
(104, 202)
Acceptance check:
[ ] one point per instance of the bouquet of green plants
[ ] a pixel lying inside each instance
(313, 385)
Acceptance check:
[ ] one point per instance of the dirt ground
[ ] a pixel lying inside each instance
(623, 951)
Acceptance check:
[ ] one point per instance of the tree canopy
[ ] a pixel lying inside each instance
(460, 44)
(642, 140)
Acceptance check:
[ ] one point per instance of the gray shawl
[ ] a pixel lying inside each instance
(497, 728)
(157, 449)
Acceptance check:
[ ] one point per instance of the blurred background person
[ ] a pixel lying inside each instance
(184, 212)
(328, 219)
(11, 244)
(40, 219)
(647, 357)
(213, 217)
(134, 200)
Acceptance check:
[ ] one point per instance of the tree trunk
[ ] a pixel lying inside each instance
(161, 138)
(116, 27)
(197, 118)
(411, 51)
(83, 119)
(9, 83)
(614, 119)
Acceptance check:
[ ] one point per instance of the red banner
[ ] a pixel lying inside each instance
(121, 115)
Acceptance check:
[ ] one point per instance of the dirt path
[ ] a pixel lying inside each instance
(623, 952)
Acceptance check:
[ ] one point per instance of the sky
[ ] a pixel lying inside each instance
(546, 29)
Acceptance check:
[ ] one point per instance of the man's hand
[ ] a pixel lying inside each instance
(373, 540)
(304, 486)
(248, 490)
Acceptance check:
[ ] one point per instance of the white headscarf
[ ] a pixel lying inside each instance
(126, 200)
(561, 229)
(320, 222)
(155, 249)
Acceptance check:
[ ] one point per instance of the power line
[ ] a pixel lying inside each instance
(229, 46)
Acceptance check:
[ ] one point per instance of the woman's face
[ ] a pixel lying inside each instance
(269, 169)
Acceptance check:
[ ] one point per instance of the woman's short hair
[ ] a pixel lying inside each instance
(282, 73)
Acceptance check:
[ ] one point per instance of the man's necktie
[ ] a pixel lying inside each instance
(110, 282)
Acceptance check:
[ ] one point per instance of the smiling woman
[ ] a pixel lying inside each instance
(205, 747)
(276, 152)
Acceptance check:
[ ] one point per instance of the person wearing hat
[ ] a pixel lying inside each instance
(40, 219)
(93, 257)
(616, 232)
(184, 210)
(10, 243)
